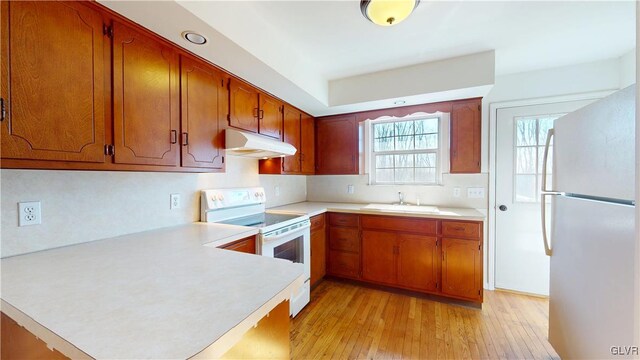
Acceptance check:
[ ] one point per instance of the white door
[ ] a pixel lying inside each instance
(521, 263)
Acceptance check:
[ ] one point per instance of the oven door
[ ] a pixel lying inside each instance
(294, 246)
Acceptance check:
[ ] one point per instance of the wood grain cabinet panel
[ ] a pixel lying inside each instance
(337, 145)
(344, 264)
(270, 117)
(398, 223)
(470, 230)
(246, 245)
(341, 219)
(462, 268)
(53, 74)
(203, 115)
(146, 99)
(318, 249)
(345, 239)
(243, 106)
(307, 144)
(466, 136)
(379, 256)
(291, 164)
(418, 262)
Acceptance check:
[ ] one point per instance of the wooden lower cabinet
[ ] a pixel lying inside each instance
(246, 245)
(410, 253)
(318, 249)
(418, 262)
(462, 268)
(379, 256)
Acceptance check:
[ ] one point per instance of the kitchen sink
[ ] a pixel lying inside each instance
(403, 208)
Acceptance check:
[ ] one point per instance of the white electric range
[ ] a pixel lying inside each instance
(283, 236)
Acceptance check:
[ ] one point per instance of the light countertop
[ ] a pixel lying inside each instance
(316, 208)
(156, 294)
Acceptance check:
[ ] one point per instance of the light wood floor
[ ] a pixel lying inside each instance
(345, 321)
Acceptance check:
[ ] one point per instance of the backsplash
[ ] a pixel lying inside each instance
(333, 188)
(81, 206)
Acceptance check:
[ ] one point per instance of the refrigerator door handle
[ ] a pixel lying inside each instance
(545, 192)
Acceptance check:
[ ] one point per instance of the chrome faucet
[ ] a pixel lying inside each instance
(401, 197)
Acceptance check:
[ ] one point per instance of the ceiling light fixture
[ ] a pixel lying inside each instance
(194, 37)
(387, 12)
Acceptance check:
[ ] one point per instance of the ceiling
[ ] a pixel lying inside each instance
(309, 44)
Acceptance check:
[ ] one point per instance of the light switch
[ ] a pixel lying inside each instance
(475, 193)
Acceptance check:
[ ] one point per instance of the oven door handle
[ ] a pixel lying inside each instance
(286, 234)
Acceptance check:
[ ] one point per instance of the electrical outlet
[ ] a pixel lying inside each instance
(456, 192)
(475, 193)
(350, 189)
(29, 213)
(277, 190)
(175, 201)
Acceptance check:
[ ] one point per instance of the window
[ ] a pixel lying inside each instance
(531, 136)
(406, 151)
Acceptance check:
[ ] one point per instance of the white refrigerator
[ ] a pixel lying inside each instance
(590, 233)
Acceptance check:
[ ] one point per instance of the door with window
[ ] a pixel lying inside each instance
(521, 264)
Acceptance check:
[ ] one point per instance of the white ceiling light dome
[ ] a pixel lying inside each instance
(387, 12)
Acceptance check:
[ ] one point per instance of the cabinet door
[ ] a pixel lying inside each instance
(379, 256)
(465, 136)
(270, 117)
(246, 245)
(318, 249)
(307, 144)
(292, 136)
(146, 99)
(418, 260)
(243, 106)
(337, 140)
(52, 81)
(203, 113)
(462, 268)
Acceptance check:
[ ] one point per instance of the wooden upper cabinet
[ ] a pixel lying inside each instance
(292, 116)
(337, 145)
(204, 110)
(462, 268)
(243, 106)
(52, 81)
(418, 261)
(146, 99)
(307, 144)
(466, 135)
(270, 117)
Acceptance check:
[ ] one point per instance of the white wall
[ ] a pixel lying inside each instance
(80, 206)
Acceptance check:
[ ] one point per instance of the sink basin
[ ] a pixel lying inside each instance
(403, 208)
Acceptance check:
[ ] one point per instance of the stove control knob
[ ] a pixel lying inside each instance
(220, 197)
(256, 194)
(261, 194)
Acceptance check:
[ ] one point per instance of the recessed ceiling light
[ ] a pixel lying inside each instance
(399, 102)
(194, 37)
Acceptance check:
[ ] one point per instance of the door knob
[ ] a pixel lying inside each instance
(503, 207)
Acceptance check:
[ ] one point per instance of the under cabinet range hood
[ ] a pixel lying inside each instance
(240, 143)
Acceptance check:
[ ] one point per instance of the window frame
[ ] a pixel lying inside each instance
(441, 151)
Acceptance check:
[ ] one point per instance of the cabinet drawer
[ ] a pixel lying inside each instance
(345, 239)
(413, 225)
(344, 264)
(317, 222)
(461, 229)
(343, 219)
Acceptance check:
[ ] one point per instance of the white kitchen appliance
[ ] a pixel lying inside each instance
(283, 236)
(592, 241)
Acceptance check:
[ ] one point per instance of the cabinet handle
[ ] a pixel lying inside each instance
(185, 139)
(174, 136)
(3, 110)
(260, 114)
(458, 228)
